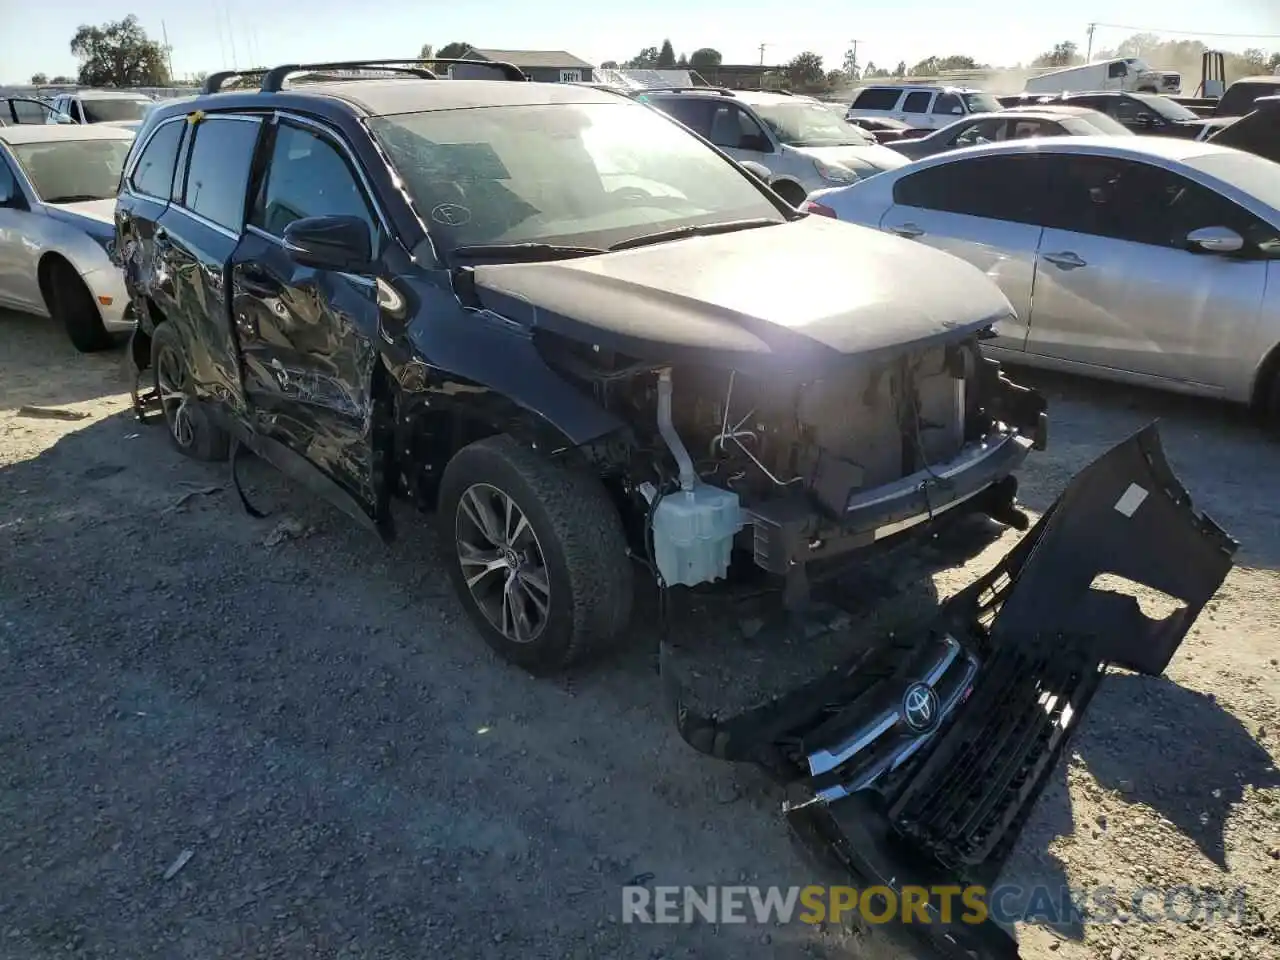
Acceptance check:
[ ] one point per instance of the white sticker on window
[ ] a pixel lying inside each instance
(1131, 500)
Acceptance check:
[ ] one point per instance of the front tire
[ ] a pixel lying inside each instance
(190, 429)
(536, 552)
(71, 303)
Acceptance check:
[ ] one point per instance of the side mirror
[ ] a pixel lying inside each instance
(1215, 240)
(757, 170)
(754, 142)
(330, 243)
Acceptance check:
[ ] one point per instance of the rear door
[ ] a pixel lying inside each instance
(309, 338)
(1117, 289)
(147, 186)
(195, 239)
(984, 210)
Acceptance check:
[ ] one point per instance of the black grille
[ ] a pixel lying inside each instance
(978, 783)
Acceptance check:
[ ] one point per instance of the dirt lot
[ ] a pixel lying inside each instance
(352, 773)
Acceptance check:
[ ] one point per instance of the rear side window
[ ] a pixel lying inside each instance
(1117, 70)
(917, 102)
(876, 98)
(218, 171)
(153, 174)
(998, 188)
(308, 177)
(694, 114)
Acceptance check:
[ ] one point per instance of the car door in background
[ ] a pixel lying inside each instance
(1118, 289)
(916, 110)
(738, 134)
(308, 337)
(195, 238)
(984, 210)
(19, 287)
(947, 107)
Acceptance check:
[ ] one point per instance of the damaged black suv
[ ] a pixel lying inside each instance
(594, 344)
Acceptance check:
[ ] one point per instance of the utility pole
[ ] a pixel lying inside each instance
(168, 50)
(762, 46)
(1088, 54)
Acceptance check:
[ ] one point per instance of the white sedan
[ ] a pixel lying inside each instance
(57, 202)
(1152, 260)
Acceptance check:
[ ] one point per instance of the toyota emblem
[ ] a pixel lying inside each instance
(920, 707)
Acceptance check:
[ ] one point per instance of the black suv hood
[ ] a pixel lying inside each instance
(800, 291)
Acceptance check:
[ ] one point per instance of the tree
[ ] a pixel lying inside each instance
(927, 67)
(666, 56)
(901, 69)
(453, 51)
(850, 66)
(683, 62)
(609, 65)
(119, 54)
(646, 59)
(425, 52)
(705, 58)
(39, 79)
(1062, 55)
(1255, 60)
(958, 62)
(805, 71)
(61, 80)
(1273, 63)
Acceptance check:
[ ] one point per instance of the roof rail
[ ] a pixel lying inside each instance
(273, 80)
(723, 91)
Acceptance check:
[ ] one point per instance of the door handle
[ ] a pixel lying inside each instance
(1067, 260)
(908, 230)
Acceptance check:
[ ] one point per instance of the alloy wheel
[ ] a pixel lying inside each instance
(502, 563)
(171, 379)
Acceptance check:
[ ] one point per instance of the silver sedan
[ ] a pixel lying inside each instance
(1019, 123)
(1152, 260)
(57, 200)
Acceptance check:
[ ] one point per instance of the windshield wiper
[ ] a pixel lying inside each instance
(73, 198)
(697, 230)
(522, 251)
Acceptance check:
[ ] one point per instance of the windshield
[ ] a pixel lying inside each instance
(96, 111)
(981, 102)
(66, 171)
(587, 174)
(1095, 123)
(1169, 109)
(1247, 172)
(809, 125)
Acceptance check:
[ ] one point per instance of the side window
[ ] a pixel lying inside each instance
(8, 185)
(997, 188)
(1022, 129)
(1126, 110)
(1258, 133)
(29, 111)
(1138, 203)
(694, 114)
(76, 113)
(153, 174)
(731, 127)
(1117, 70)
(218, 170)
(982, 131)
(876, 98)
(917, 102)
(948, 104)
(307, 177)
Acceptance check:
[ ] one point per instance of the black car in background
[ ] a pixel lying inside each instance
(1256, 132)
(1144, 113)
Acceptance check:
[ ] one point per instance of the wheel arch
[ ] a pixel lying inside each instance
(48, 262)
(1263, 377)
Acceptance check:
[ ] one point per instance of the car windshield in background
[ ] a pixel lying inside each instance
(1169, 109)
(809, 125)
(981, 102)
(585, 174)
(68, 171)
(97, 111)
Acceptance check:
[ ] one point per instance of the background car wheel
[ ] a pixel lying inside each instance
(189, 426)
(536, 553)
(791, 192)
(71, 304)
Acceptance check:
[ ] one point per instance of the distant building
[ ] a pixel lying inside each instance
(543, 66)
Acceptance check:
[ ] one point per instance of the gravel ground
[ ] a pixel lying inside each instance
(304, 718)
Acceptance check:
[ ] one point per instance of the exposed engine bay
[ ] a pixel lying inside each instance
(797, 469)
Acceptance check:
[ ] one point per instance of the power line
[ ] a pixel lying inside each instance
(1192, 33)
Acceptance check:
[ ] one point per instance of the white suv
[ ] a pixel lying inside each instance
(121, 107)
(920, 105)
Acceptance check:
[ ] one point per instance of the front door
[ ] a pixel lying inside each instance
(18, 284)
(1117, 288)
(917, 110)
(308, 337)
(983, 210)
(737, 133)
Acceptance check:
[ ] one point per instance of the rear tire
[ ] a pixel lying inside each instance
(190, 429)
(543, 548)
(71, 304)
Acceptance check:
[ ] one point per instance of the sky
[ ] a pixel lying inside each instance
(218, 34)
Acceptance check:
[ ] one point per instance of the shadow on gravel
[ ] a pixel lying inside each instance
(1224, 459)
(1161, 745)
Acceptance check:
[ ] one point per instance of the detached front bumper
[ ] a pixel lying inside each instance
(921, 777)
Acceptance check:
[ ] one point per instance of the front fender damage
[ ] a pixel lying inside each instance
(1005, 671)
